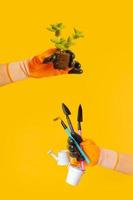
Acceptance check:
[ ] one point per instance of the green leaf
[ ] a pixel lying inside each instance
(61, 25)
(57, 33)
(55, 40)
(70, 40)
(56, 28)
(75, 30)
(50, 29)
(77, 34)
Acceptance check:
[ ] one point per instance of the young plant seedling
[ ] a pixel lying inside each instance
(60, 42)
(64, 57)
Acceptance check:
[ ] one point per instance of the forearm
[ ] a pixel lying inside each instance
(4, 78)
(116, 161)
(13, 72)
(125, 164)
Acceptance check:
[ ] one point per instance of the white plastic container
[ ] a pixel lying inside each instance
(74, 175)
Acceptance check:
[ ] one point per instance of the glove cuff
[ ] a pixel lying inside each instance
(18, 70)
(108, 158)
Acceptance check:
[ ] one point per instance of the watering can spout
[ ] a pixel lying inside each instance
(52, 154)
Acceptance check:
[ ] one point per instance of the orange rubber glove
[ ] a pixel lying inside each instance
(38, 69)
(89, 147)
(106, 158)
(51, 62)
(91, 150)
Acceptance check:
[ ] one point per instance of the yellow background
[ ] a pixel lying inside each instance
(105, 90)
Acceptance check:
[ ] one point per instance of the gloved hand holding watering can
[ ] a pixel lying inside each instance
(83, 153)
(77, 166)
(97, 156)
(75, 172)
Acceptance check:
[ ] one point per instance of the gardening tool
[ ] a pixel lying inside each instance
(67, 113)
(75, 142)
(80, 119)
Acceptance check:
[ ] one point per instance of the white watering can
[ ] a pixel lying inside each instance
(62, 157)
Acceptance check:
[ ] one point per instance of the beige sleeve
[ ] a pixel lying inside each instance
(4, 78)
(116, 161)
(125, 164)
(14, 71)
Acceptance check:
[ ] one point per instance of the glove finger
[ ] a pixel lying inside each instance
(75, 71)
(77, 137)
(46, 54)
(51, 58)
(71, 148)
(80, 158)
(77, 156)
(74, 154)
(70, 141)
(75, 64)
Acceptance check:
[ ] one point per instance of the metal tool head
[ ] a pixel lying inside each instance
(65, 109)
(80, 114)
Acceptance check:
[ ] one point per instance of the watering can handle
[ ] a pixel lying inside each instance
(52, 154)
